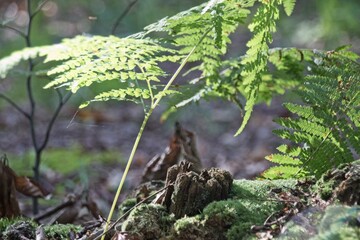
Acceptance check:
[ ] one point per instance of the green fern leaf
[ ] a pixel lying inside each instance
(127, 94)
(289, 6)
(283, 159)
(257, 55)
(281, 172)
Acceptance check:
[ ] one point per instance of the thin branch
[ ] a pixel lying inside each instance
(38, 9)
(29, 80)
(123, 15)
(13, 104)
(62, 102)
(4, 26)
(55, 209)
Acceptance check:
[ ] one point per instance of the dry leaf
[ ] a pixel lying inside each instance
(29, 187)
(9, 206)
(182, 146)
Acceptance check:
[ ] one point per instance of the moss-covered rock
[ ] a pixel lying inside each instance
(22, 228)
(19, 231)
(336, 222)
(151, 221)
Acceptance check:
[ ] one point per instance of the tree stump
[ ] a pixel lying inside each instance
(192, 191)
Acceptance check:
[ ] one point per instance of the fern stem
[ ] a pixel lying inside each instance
(137, 140)
(141, 98)
(131, 157)
(149, 87)
(151, 93)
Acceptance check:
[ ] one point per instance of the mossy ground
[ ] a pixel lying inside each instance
(15, 228)
(251, 202)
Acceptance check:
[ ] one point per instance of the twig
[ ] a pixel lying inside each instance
(69, 202)
(123, 15)
(13, 104)
(38, 9)
(62, 102)
(89, 227)
(13, 29)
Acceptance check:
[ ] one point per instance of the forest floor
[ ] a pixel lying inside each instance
(109, 132)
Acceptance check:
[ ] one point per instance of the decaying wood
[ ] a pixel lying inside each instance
(192, 191)
(182, 146)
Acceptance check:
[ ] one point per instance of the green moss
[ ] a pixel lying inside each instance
(258, 188)
(337, 222)
(60, 231)
(188, 228)
(151, 220)
(240, 231)
(126, 205)
(186, 222)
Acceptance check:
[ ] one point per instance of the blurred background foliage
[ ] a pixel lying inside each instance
(321, 23)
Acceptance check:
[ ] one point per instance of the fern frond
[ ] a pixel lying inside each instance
(263, 24)
(87, 60)
(326, 129)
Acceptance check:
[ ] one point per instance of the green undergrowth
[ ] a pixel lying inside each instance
(63, 160)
